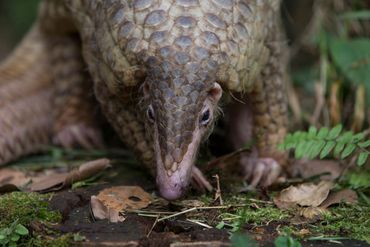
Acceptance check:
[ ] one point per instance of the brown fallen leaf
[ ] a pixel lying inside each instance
(123, 198)
(327, 169)
(312, 212)
(12, 179)
(346, 195)
(307, 194)
(59, 181)
(101, 212)
(303, 232)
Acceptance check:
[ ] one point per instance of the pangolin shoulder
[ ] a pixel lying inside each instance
(226, 34)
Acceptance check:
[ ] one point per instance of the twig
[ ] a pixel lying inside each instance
(190, 210)
(151, 229)
(260, 201)
(218, 195)
(200, 223)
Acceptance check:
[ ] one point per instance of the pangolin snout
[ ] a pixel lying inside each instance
(172, 192)
(173, 177)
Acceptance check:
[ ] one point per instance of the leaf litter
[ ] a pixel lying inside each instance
(110, 202)
(49, 180)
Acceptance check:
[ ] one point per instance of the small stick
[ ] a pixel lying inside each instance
(190, 210)
(218, 195)
(151, 229)
(200, 223)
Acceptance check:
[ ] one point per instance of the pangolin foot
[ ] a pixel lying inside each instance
(79, 135)
(260, 171)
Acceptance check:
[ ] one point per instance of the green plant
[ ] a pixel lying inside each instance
(324, 141)
(242, 240)
(10, 236)
(286, 241)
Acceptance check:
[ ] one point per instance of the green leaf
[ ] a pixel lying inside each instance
(327, 149)
(78, 238)
(358, 137)
(338, 148)
(334, 132)
(364, 144)
(323, 132)
(362, 157)
(352, 57)
(312, 131)
(20, 229)
(281, 146)
(15, 237)
(346, 137)
(316, 149)
(348, 150)
(300, 150)
(285, 241)
(2, 236)
(12, 244)
(242, 240)
(361, 14)
(220, 225)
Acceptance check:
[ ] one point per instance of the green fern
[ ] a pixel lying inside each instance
(325, 141)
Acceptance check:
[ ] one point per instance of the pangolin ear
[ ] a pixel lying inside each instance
(215, 92)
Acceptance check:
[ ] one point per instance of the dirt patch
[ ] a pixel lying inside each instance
(77, 218)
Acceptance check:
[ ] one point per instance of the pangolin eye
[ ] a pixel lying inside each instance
(150, 113)
(205, 117)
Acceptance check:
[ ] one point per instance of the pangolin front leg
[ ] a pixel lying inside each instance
(74, 121)
(262, 121)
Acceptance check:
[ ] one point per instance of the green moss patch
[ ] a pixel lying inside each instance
(349, 221)
(345, 221)
(26, 207)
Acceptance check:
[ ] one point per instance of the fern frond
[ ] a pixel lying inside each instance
(323, 142)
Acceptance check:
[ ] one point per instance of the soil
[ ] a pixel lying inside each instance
(137, 230)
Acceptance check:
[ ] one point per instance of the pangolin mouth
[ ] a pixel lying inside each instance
(173, 181)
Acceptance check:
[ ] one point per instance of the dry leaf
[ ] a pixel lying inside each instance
(312, 212)
(328, 169)
(347, 196)
(307, 194)
(59, 181)
(122, 198)
(101, 212)
(303, 232)
(12, 180)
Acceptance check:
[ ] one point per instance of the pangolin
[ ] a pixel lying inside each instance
(158, 69)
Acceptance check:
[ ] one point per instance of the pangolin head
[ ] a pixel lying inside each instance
(181, 106)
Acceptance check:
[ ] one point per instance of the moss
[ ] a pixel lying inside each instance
(346, 221)
(264, 215)
(350, 221)
(254, 212)
(39, 241)
(26, 207)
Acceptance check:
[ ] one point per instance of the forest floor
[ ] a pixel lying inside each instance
(247, 218)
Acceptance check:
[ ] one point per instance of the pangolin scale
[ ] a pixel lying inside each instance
(158, 69)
